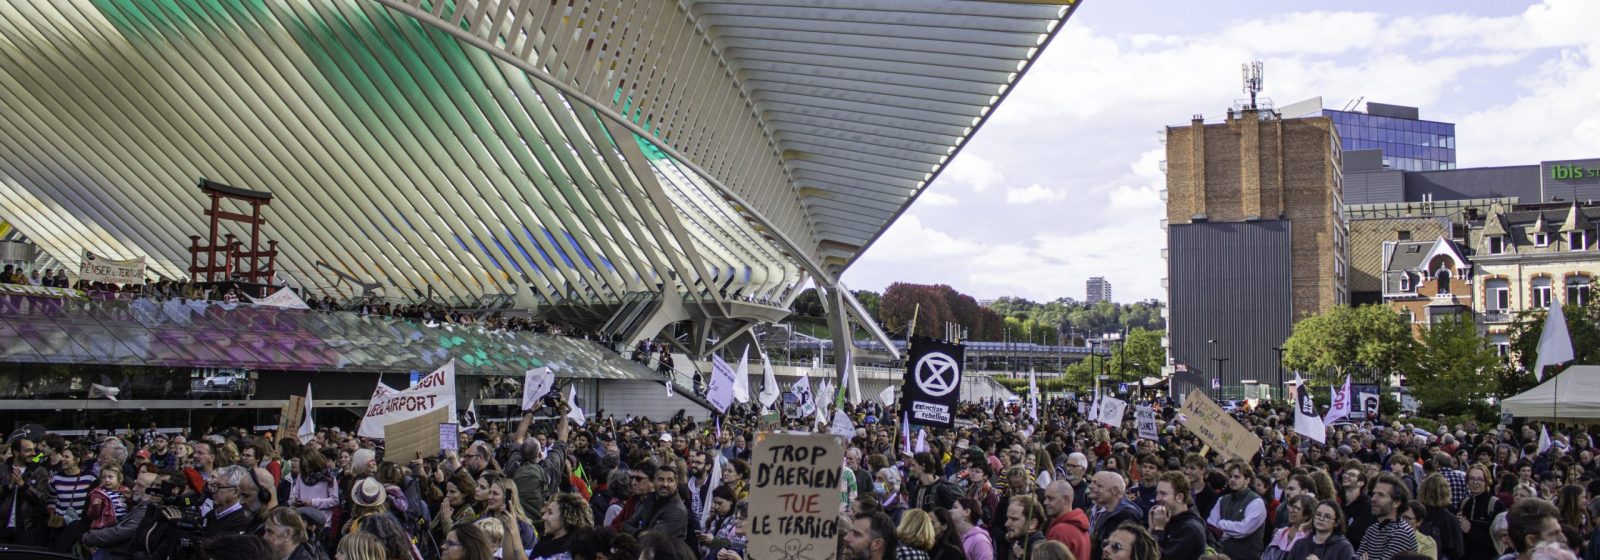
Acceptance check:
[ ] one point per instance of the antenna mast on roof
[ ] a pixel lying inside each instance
(1252, 81)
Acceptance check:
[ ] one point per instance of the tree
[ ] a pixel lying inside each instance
(938, 304)
(872, 302)
(1456, 370)
(1141, 355)
(808, 304)
(1524, 335)
(1343, 340)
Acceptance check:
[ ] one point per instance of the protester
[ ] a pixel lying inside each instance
(1327, 541)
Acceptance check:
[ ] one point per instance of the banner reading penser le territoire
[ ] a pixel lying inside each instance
(794, 497)
(933, 382)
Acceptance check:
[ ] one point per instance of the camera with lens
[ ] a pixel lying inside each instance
(172, 528)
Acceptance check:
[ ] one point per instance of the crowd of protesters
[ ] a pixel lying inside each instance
(1004, 487)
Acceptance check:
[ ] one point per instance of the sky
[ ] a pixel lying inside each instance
(1063, 181)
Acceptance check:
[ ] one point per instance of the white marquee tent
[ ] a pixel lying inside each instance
(1574, 394)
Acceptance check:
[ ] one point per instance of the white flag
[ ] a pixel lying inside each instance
(716, 480)
(469, 421)
(1555, 343)
(98, 390)
(1341, 404)
(1033, 395)
(284, 298)
(1112, 410)
(1544, 440)
(886, 396)
(825, 391)
(905, 432)
(842, 426)
(741, 380)
(536, 383)
(802, 392)
(1306, 421)
(576, 414)
(307, 425)
(1094, 407)
(922, 441)
(769, 384)
(720, 391)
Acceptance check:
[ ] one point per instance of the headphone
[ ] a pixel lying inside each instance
(263, 497)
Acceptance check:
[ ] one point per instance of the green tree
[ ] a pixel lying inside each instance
(872, 302)
(1343, 340)
(808, 304)
(1141, 355)
(1524, 336)
(1455, 371)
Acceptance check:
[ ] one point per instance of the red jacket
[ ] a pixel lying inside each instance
(1072, 529)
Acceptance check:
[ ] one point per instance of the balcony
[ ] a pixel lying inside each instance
(1496, 316)
(1163, 224)
(1163, 195)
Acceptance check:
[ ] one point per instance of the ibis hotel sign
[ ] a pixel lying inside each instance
(1569, 179)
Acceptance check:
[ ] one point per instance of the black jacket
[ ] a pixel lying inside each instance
(234, 523)
(118, 537)
(1480, 511)
(1358, 516)
(1337, 548)
(1125, 512)
(1184, 538)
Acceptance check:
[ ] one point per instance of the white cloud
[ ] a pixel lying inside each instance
(937, 199)
(908, 241)
(1032, 193)
(971, 170)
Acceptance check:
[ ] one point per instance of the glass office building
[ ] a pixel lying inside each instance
(1407, 144)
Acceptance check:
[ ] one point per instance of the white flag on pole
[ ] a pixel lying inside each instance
(1033, 395)
(769, 384)
(1112, 410)
(576, 414)
(1306, 420)
(716, 480)
(1341, 404)
(469, 421)
(307, 426)
(1555, 343)
(1544, 439)
(720, 391)
(741, 380)
(886, 396)
(98, 390)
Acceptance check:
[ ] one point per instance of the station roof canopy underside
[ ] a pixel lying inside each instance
(577, 150)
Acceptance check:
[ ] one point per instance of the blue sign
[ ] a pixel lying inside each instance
(1122, 388)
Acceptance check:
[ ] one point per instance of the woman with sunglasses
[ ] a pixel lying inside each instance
(1327, 540)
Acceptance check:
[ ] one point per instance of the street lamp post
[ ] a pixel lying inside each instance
(1216, 372)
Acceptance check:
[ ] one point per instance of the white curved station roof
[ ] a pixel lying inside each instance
(576, 150)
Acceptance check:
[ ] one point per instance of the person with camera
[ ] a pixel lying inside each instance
(119, 538)
(228, 515)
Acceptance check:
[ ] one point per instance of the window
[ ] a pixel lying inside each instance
(1541, 294)
(1408, 315)
(1405, 282)
(1578, 290)
(1404, 234)
(1541, 239)
(1504, 350)
(1576, 241)
(1499, 298)
(1497, 244)
(1442, 278)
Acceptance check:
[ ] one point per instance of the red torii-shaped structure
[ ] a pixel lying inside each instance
(233, 256)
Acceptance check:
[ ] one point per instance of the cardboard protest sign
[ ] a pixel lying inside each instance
(1216, 428)
(290, 416)
(417, 437)
(794, 497)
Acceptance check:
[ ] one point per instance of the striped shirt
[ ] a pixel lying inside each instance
(70, 493)
(118, 502)
(1385, 539)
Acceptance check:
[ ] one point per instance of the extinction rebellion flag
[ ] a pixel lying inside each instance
(933, 382)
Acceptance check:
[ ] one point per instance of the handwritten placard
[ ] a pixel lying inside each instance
(290, 416)
(1145, 418)
(449, 437)
(1217, 429)
(794, 497)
